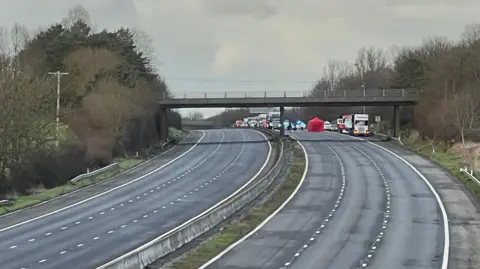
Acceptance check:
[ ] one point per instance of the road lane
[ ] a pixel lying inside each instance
(280, 238)
(80, 236)
(355, 234)
(360, 218)
(53, 206)
(414, 238)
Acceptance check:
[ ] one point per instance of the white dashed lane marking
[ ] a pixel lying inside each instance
(155, 211)
(386, 216)
(330, 215)
(152, 190)
(364, 263)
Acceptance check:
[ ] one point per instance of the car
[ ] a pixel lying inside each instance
(327, 126)
(334, 127)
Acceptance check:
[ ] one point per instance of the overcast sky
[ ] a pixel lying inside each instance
(286, 42)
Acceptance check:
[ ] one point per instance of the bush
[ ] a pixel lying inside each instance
(48, 169)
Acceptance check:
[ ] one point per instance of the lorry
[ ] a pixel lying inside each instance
(360, 125)
(344, 123)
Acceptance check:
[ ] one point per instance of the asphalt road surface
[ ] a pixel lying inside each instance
(99, 230)
(386, 216)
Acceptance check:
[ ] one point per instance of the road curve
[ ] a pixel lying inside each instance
(386, 217)
(95, 232)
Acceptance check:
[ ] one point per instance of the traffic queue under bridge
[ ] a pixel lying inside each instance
(340, 98)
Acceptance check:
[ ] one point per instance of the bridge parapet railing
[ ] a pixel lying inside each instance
(289, 94)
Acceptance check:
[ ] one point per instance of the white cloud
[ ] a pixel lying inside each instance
(281, 40)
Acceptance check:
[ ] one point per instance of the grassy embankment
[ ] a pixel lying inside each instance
(42, 195)
(236, 230)
(444, 158)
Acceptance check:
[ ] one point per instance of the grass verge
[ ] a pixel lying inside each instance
(47, 194)
(236, 230)
(43, 195)
(444, 158)
(177, 134)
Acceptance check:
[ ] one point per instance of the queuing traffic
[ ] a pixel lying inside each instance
(351, 124)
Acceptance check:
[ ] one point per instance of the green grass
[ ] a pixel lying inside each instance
(444, 158)
(177, 134)
(48, 194)
(236, 230)
(42, 195)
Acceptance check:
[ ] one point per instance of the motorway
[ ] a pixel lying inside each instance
(101, 229)
(359, 207)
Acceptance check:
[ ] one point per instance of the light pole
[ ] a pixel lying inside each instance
(363, 83)
(59, 75)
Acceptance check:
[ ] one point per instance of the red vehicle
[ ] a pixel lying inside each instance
(238, 123)
(344, 123)
(340, 124)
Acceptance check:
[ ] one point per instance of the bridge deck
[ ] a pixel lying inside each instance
(370, 97)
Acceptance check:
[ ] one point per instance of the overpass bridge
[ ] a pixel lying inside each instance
(338, 98)
(367, 97)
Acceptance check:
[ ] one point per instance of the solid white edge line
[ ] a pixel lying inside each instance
(98, 183)
(446, 231)
(199, 215)
(105, 192)
(292, 195)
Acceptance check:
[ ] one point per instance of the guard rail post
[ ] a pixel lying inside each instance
(5, 203)
(470, 174)
(96, 172)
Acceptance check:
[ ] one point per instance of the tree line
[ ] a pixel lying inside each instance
(446, 71)
(107, 104)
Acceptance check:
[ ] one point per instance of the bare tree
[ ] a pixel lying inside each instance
(76, 14)
(195, 115)
(4, 50)
(84, 65)
(26, 117)
(19, 39)
(144, 44)
(471, 34)
(331, 73)
(465, 109)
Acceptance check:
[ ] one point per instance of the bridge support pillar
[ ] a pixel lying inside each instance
(396, 121)
(282, 119)
(163, 125)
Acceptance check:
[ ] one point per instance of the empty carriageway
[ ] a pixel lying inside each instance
(101, 229)
(358, 207)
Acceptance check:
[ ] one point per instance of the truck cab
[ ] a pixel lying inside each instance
(360, 125)
(344, 124)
